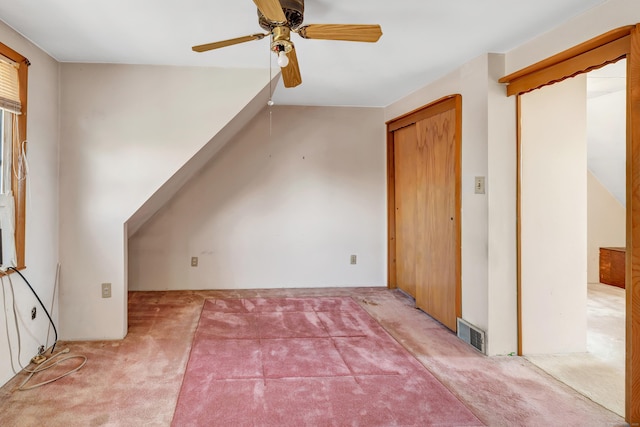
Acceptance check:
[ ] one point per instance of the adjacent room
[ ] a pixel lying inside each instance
(288, 212)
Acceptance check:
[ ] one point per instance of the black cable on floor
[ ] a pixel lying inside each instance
(55, 331)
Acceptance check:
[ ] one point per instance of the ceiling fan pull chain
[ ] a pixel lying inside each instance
(270, 101)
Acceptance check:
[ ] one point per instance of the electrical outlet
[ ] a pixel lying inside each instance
(106, 290)
(33, 313)
(354, 259)
(194, 261)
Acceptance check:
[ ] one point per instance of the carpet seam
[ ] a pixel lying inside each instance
(186, 366)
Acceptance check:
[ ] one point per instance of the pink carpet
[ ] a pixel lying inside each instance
(306, 362)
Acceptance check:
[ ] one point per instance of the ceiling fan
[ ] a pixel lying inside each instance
(280, 18)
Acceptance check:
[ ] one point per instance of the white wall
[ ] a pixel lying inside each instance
(554, 218)
(501, 193)
(285, 210)
(488, 141)
(42, 207)
(606, 224)
(125, 130)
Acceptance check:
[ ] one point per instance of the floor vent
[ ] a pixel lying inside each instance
(471, 335)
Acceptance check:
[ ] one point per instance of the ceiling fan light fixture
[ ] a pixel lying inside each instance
(281, 45)
(283, 59)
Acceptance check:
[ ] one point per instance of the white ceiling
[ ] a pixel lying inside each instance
(422, 40)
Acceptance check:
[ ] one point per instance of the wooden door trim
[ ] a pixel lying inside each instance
(590, 55)
(458, 220)
(519, 219)
(434, 108)
(606, 49)
(632, 275)
(392, 282)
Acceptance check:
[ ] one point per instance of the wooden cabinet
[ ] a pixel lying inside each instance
(612, 266)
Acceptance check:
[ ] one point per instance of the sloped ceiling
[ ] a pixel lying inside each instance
(423, 39)
(606, 127)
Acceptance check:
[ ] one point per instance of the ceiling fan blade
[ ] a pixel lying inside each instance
(225, 43)
(354, 33)
(272, 10)
(291, 73)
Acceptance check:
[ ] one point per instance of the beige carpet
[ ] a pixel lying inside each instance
(599, 373)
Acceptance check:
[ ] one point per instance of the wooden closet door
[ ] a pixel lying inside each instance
(405, 201)
(437, 267)
(425, 232)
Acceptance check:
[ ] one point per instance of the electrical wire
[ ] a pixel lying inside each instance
(55, 331)
(6, 325)
(50, 363)
(47, 365)
(53, 298)
(21, 154)
(270, 101)
(15, 319)
(23, 164)
(22, 157)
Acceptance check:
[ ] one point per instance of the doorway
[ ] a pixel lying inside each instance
(578, 192)
(593, 54)
(424, 207)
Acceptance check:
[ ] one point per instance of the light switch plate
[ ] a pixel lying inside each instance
(479, 185)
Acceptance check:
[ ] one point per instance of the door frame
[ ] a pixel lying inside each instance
(434, 108)
(605, 49)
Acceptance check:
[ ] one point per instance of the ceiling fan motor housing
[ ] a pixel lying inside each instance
(293, 10)
(280, 41)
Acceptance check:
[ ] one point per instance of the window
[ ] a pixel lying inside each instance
(13, 137)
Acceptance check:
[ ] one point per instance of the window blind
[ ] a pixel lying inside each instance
(9, 86)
